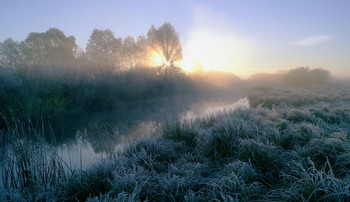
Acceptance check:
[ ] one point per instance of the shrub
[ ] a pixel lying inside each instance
(305, 76)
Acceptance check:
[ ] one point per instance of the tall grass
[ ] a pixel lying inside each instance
(291, 149)
(51, 91)
(29, 168)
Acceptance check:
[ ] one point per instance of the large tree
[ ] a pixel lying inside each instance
(52, 47)
(103, 49)
(165, 42)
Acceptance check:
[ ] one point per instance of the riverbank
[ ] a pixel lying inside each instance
(291, 144)
(43, 92)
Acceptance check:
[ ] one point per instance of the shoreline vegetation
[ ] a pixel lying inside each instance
(291, 144)
(48, 75)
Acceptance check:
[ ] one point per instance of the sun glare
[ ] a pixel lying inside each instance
(209, 50)
(157, 59)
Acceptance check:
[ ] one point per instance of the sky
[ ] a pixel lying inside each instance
(239, 36)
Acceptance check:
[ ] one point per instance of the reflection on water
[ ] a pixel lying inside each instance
(101, 140)
(203, 111)
(98, 135)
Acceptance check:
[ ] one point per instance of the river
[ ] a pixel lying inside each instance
(84, 139)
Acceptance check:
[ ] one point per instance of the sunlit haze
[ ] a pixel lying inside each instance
(217, 51)
(174, 100)
(241, 37)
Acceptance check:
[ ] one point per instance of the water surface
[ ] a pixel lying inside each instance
(82, 140)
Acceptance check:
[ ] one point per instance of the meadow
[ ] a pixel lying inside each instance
(291, 144)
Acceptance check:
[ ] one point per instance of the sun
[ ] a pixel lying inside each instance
(157, 59)
(207, 50)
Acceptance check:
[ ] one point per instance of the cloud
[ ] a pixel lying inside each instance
(314, 40)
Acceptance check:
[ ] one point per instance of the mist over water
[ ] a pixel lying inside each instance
(139, 119)
(205, 110)
(99, 135)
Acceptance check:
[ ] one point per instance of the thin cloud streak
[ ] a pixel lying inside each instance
(314, 40)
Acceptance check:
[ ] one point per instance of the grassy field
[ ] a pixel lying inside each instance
(292, 144)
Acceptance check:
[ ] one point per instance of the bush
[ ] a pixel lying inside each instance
(305, 76)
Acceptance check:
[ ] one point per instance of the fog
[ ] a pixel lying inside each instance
(126, 119)
(118, 84)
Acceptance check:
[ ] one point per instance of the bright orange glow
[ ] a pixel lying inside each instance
(157, 59)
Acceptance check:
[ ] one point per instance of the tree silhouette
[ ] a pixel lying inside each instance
(11, 55)
(130, 50)
(49, 48)
(165, 42)
(103, 49)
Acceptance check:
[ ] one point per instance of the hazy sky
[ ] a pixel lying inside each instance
(243, 37)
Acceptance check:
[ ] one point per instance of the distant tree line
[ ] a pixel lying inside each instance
(303, 76)
(54, 48)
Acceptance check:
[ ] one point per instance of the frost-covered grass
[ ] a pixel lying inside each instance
(292, 145)
(30, 170)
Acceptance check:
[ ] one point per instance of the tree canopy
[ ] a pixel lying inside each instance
(165, 42)
(11, 55)
(49, 48)
(103, 48)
